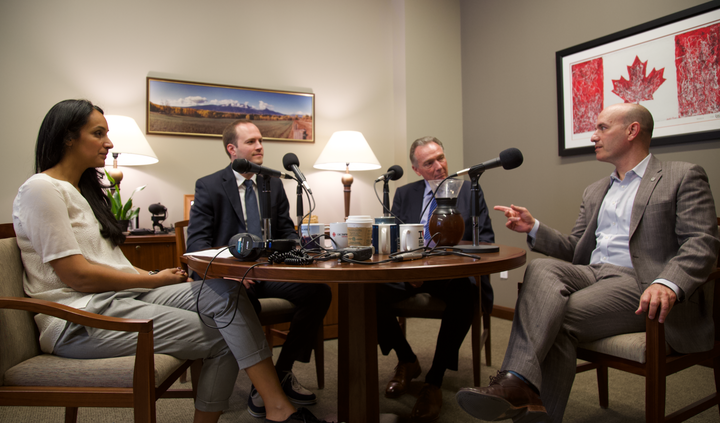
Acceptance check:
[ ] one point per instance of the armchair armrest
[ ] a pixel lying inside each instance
(143, 375)
(74, 315)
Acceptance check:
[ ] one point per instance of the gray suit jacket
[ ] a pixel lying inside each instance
(673, 235)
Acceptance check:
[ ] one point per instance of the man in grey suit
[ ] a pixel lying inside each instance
(645, 241)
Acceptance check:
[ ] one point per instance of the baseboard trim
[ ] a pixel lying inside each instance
(501, 312)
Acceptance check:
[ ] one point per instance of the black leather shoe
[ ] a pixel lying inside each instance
(404, 373)
(507, 397)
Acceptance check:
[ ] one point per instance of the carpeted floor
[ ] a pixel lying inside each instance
(626, 391)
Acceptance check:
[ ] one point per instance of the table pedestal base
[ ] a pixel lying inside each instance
(358, 399)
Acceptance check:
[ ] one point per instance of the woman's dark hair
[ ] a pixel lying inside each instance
(61, 124)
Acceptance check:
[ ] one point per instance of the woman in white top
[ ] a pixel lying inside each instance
(69, 241)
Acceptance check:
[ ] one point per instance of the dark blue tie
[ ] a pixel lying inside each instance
(252, 221)
(432, 207)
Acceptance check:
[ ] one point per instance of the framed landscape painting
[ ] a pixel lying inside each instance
(198, 109)
(670, 65)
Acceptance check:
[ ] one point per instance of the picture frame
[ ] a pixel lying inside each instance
(177, 107)
(188, 200)
(670, 65)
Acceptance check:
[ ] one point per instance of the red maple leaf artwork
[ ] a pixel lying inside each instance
(587, 94)
(639, 87)
(697, 59)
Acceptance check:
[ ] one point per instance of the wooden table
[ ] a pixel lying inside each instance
(358, 395)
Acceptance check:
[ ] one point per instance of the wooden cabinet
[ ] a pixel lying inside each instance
(150, 252)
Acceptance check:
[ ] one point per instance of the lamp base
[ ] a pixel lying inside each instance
(347, 181)
(483, 248)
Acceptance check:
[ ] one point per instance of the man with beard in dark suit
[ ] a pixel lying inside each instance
(227, 203)
(409, 206)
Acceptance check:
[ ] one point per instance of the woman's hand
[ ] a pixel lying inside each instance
(171, 276)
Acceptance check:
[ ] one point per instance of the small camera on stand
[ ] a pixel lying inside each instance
(159, 214)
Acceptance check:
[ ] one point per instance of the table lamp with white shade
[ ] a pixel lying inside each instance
(130, 148)
(347, 150)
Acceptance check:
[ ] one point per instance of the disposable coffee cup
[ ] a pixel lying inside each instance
(359, 231)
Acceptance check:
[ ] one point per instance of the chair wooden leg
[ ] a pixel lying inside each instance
(655, 373)
(486, 329)
(602, 381)
(320, 357)
(476, 337)
(71, 414)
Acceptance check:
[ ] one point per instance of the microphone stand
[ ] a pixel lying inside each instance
(476, 247)
(267, 230)
(386, 198)
(299, 207)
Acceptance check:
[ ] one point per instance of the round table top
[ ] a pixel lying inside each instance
(427, 268)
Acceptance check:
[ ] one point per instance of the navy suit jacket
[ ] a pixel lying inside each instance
(407, 207)
(217, 215)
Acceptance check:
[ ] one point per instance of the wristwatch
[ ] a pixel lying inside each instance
(153, 272)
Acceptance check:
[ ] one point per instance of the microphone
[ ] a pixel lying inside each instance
(244, 166)
(394, 173)
(157, 208)
(509, 159)
(291, 163)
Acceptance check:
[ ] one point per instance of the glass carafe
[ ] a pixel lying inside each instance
(446, 221)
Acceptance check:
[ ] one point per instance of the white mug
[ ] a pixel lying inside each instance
(339, 235)
(411, 236)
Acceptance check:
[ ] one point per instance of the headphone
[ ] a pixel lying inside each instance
(249, 247)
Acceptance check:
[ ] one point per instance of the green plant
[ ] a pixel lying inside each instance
(119, 210)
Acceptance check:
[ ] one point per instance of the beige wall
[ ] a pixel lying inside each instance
(350, 54)
(433, 75)
(509, 100)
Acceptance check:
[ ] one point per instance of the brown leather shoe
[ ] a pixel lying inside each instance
(427, 407)
(404, 373)
(507, 397)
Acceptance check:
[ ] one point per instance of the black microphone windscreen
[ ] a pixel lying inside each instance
(511, 158)
(157, 208)
(241, 166)
(398, 172)
(290, 159)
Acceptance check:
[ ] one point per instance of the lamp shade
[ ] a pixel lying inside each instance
(347, 148)
(129, 141)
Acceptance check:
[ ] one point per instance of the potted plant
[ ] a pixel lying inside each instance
(122, 212)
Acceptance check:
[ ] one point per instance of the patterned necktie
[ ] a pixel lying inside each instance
(433, 205)
(252, 221)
